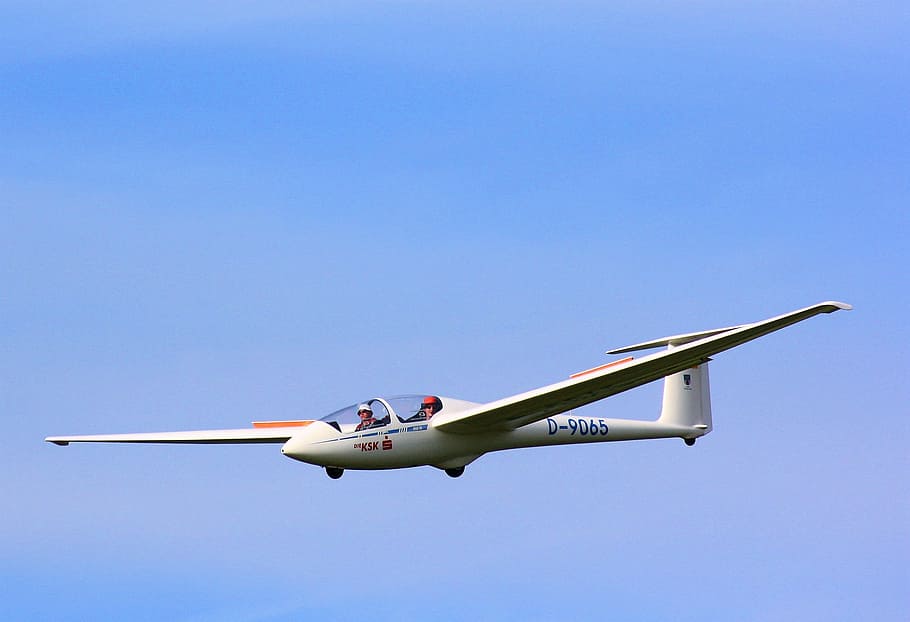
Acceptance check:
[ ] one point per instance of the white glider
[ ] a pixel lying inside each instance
(421, 430)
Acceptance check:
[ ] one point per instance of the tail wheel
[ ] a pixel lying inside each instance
(334, 472)
(456, 472)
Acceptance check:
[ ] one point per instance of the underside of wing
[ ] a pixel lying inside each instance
(513, 412)
(261, 434)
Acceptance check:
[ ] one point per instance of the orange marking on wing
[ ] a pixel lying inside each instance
(280, 424)
(594, 369)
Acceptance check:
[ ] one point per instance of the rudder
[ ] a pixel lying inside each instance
(687, 399)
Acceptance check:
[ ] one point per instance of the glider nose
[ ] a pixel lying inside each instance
(306, 445)
(294, 448)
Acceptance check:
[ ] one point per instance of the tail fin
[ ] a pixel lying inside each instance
(687, 400)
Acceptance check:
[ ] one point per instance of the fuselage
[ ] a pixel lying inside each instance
(419, 444)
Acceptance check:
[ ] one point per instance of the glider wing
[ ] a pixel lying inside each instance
(263, 432)
(685, 351)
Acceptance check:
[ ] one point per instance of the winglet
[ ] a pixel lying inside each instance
(843, 306)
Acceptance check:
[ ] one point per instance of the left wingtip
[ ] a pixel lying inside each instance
(838, 305)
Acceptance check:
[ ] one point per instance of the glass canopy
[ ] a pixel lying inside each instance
(379, 412)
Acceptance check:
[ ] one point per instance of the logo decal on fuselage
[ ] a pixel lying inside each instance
(386, 445)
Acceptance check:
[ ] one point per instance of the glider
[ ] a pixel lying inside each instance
(430, 430)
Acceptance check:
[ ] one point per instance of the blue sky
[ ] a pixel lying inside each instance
(218, 213)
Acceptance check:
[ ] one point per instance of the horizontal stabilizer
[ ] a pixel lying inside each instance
(675, 340)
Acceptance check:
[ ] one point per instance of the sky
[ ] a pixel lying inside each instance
(214, 213)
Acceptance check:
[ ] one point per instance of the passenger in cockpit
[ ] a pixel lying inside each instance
(367, 421)
(429, 407)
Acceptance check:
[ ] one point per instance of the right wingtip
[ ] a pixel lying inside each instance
(838, 305)
(57, 441)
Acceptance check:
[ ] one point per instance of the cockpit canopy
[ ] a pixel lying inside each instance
(380, 412)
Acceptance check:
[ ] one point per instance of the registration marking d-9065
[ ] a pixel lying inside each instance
(578, 426)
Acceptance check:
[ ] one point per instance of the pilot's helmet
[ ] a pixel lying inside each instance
(364, 407)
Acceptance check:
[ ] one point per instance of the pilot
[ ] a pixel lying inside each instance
(429, 407)
(365, 412)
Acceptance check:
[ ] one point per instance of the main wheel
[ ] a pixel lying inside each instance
(689, 441)
(456, 472)
(334, 472)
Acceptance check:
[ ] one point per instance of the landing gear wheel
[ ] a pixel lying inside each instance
(456, 472)
(689, 441)
(334, 472)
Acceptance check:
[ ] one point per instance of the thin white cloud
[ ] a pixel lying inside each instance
(53, 29)
(33, 31)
